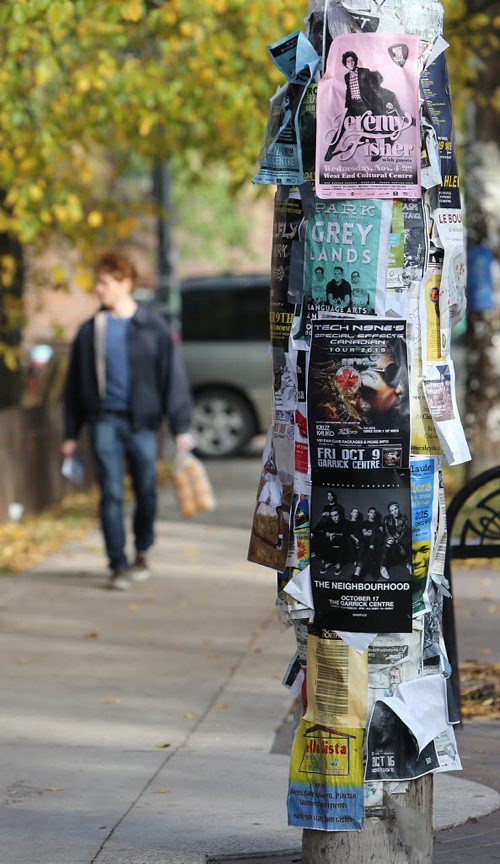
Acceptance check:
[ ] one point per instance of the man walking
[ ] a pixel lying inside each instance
(126, 374)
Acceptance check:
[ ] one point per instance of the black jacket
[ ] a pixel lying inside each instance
(365, 83)
(373, 96)
(158, 381)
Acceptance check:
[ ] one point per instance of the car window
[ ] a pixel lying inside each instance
(225, 314)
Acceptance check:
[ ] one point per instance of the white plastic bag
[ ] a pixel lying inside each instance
(192, 486)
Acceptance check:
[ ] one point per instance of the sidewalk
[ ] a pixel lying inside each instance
(140, 728)
(137, 726)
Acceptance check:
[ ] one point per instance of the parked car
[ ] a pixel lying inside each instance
(225, 334)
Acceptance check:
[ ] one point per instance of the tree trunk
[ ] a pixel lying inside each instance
(482, 418)
(11, 292)
(402, 834)
(481, 183)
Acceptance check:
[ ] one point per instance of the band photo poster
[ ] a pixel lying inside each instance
(361, 554)
(346, 252)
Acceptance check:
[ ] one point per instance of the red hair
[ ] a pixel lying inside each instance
(117, 264)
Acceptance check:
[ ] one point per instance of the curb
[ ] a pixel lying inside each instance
(456, 801)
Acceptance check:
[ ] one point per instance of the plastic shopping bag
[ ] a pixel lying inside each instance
(192, 486)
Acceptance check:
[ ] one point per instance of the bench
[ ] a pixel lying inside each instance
(479, 537)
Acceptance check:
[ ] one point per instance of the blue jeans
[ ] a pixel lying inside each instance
(115, 443)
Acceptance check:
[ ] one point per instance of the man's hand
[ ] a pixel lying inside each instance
(184, 442)
(69, 448)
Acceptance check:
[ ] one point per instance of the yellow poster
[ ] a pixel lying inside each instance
(424, 438)
(326, 778)
(431, 286)
(337, 682)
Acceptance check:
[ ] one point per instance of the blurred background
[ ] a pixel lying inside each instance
(137, 125)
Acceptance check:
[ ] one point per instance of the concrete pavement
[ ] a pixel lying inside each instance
(138, 728)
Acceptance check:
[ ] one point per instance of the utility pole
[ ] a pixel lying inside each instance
(399, 833)
(363, 332)
(382, 836)
(167, 292)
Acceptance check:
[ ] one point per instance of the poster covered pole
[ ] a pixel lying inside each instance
(367, 279)
(383, 835)
(402, 834)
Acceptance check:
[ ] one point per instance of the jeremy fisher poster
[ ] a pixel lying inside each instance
(368, 138)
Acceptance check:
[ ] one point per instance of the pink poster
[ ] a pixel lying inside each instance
(368, 136)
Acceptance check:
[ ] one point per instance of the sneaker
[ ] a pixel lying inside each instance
(325, 568)
(140, 571)
(384, 573)
(119, 581)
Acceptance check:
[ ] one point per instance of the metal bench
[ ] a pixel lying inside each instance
(479, 538)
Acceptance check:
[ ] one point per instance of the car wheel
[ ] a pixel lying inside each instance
(222, 423)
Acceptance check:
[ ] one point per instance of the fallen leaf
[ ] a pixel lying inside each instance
(480, 690)
(162, 791)
(92, 634)
(54, 788)
(221, 705)
(492, 609)
(133, 607)
(213, 654)
(162, 746)
(189, 715)
(23, 661)
(113, 700)
(22, 625)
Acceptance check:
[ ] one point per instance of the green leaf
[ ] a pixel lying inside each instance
(19, 13)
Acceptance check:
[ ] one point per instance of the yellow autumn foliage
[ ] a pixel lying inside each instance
(159, 79)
